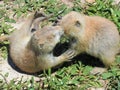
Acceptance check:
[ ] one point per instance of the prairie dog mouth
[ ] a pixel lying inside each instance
(61, 46)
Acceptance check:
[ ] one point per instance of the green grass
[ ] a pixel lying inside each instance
(74, 76)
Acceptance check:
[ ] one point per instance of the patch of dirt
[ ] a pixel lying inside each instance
(116, 1)
(12, 74)
(70, 4)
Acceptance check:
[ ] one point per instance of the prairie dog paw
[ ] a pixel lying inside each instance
(69, 54)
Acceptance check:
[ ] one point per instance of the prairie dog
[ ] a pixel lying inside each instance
(93, 35)
(33, 51)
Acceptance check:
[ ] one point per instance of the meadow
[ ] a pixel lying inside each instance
(71, 75)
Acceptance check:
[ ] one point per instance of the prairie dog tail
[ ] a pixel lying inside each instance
(4, 37)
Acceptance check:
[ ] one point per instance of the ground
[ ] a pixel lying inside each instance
(74, 75)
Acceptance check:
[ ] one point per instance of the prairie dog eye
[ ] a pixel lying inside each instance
(33, 30)
(77, 23)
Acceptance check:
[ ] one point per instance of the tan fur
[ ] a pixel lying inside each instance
(94, 35)
(33, 51)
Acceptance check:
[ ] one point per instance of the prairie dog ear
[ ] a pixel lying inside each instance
(77, 23)
(38, 18)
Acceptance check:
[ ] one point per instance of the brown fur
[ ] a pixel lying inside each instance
(94, 35)
(33, 51)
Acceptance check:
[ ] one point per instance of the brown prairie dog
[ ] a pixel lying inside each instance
(94, 35)
(33, 51)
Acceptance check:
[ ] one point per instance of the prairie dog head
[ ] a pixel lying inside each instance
(73, 23)
(44, 40)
